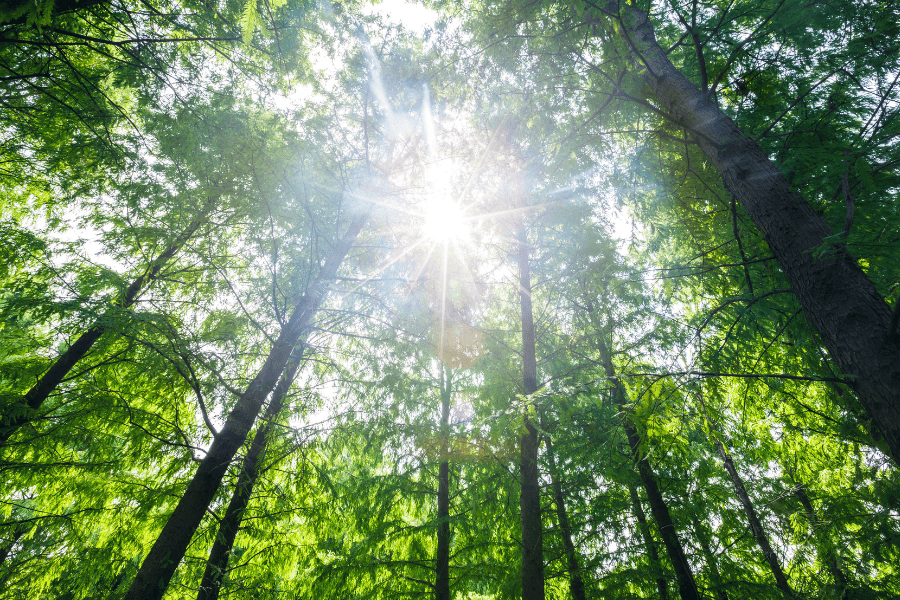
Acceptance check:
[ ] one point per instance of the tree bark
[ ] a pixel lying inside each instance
(220, 554)
(530, 496)
(756, 528)
(644, 526)
(851, 317)
(442, 556)
(23, 411)
(687, 586)
(168, 550)
(576, 583)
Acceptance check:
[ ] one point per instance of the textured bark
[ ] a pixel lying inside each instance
(168, 550)
(530, 496)
(650, 544)
(851, 317)
(711, 562)
(25, 409)
(219, 555)
(756, 528)
(442, 556)
(576, 583)
(687, 586)
(830, 558)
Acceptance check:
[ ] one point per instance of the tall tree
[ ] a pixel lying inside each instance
(649, 543)
(169, 548)
(529, 443)
(756, 528)
(853, 320)
(687, 587)
(23, 411)
(442, 554)
(220, 554)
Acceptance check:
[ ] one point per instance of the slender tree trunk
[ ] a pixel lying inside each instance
(711, 562)
(649, 543)
(851, 317)
(825, 545)
(24, 410)
(530, 496)
(442, 557)
(219, 555)
(168, 550)
(687, 587)
(756, 528)
(576, 584)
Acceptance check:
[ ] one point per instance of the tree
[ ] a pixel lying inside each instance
(852, 318)
(507, 245)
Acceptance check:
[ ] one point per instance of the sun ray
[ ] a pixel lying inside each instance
(384, 267)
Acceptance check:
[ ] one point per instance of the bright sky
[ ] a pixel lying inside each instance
(414, 16)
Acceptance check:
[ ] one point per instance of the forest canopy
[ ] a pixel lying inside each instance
(465, 299)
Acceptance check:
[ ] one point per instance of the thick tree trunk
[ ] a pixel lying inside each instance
(650, 544)
(24, 410)
(850, 316)
(825, 546)
(530, 497)
(168, 550)
(756, 528)
(219, 555)
(576, 583)
(442, 557)
(711, 562)
(687, 587)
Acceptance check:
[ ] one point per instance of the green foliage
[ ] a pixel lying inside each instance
(213, 155)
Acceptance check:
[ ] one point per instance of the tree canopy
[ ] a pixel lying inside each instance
(459, 300)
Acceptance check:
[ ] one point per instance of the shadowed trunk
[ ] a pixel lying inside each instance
(649, 542)
(530, 497)
(711, 562)
(851, 317)
(576, 584)
(756, 528)
(687, 587)
(168, 550)
(442, 557)
(219, 555)
(24, 410)
(831, 557)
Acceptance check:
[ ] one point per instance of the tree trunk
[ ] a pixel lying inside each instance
(649, 543)
(576, 584)
(24, 410)
(851, 317)
(687, 587)
(219, 555)
(168, 550)
(756, 528)
(831, 558)
(711, 562)
(530, 497)
(442, 557)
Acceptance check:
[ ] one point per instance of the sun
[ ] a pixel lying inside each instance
(444, 221)
(444, 218)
